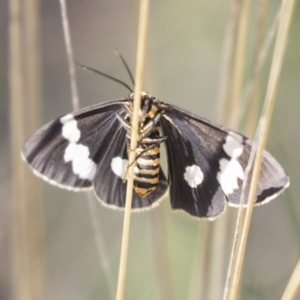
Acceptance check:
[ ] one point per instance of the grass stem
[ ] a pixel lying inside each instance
(34, 204)
(102, 253)
(227, 60)
(293, 285)
(234, 275)
(27, 209)
(254, 92)
(140, 62)
(68, 44)
(239, 64)
(16, 88)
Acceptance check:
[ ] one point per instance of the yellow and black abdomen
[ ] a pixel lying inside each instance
(146, 171)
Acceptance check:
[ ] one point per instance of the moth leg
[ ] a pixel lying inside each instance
(158, 140)
(155, 141)
(155, 144)
(124, 123)
(127, 127)
(150, 126)
(129, 110)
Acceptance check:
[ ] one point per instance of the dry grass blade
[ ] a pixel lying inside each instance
(254, 92)
(261, 58)
(234, 35)
(217, 261)
(227, 59)
(141, 49)
(27, 210)
(160, 240)
(102, 253)
(201, 263)
(67, 37)
(214, 264)
(293, 285)
(239, 64)
(35, 217)
(279, 51)
(101, 246)
(21, 286)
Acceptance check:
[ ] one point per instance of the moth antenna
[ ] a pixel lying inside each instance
(103, 74)
(118, 53)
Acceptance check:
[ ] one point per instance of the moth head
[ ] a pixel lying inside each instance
(144, 95)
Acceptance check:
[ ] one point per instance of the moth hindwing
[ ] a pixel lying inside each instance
(88, 149)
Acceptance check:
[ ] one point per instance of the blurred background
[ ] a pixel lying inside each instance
(171, 255)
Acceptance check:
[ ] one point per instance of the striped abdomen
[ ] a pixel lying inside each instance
(146, 171)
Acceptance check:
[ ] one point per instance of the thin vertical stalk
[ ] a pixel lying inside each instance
(35, 226)
(213, 285)
(140, 61)
(293, 285)
(101, 246)
(102, 252)
(161, 257)
(263, 54)
(33, 64)
(17, 134)
(201, 263)
(28, 227)
(254, 93)
(239, 65)
(68, 44)
(263, 129)
(227, 59)
(216, 275)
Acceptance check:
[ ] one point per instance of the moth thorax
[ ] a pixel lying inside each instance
(146, 172)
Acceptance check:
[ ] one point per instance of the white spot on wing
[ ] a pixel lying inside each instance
(233, 146)
(70, 152)
(193, 175)
(78, 154)
(66, 118)
(69, 128)
(231, 170)
(119, 166)
(82, 165)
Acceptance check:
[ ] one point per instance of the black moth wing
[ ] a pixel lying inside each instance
(49, 150)
(193, 184)
(216, 158)
(76, 151)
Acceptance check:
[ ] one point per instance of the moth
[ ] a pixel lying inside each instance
(88, 149)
